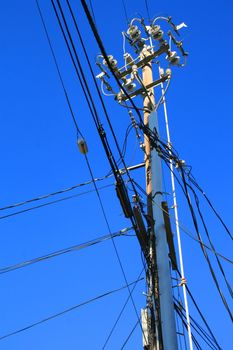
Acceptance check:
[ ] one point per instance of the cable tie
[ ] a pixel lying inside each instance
(183, 282)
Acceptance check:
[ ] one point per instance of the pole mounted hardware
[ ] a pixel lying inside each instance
(150, 43)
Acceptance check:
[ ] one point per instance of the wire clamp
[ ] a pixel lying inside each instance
(183, 282)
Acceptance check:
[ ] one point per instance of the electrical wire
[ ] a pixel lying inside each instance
(92, 11)
(125, 12)
(204, 333)
(203, 248)
(185, 230)
(71, 249)
(195, 341)
(199, 237)
(98, 92)
(196, 327)
(210, 241)
(45, 196)
(103, 51)
(90, 102)
(52, 202)
(57, 68)
(120, 314)
(65, 311)
(130, 335)
(192, 179)
(147, 10)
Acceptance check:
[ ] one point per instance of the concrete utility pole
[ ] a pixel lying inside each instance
(162, 288)
(158, 318)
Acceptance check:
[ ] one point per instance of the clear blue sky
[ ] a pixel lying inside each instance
(39, 155)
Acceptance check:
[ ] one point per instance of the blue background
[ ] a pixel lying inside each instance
(39, 155)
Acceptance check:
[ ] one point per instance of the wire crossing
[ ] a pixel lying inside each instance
(64, 312)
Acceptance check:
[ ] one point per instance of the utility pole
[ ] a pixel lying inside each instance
(158, 318)
(162, 288)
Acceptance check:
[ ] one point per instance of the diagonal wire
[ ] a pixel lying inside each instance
(130, 335)
(65, 311)
(52, 202)
(185, 230)
(147, 9)
(96, 119)
(73, 248)
(58, 70)
(120, 314)
(15, 205)
(125, 12)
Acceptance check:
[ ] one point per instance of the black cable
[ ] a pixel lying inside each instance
(192, 179)
(99, 93)
(58, 70)
(92, 11)
(130, 335)
(203, 248)
(65, 311)
(73, 248)
(184, 188)
(15, 205)
(89, 99)
(52, 202)
(195, 326)
(91, 102)
(113, 242)
(120, 314)
(86, 93)
(125, 12)
(186, 230)
(195, 341)
(191, 295)
(210, 241)
(147, 10)
(103, 51)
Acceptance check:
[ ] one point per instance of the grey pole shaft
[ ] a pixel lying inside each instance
(167, 314)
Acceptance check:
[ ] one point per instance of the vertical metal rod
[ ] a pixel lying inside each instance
(183, 280)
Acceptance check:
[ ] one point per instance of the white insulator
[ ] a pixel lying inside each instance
(128, 58)
(156, 32)
(112, 61)
(169, 71)
(82, 145)
(134, 32)
(173, 58)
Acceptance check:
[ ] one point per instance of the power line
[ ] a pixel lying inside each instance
(66, 311)
(203, 248)
(92, 11)
(130, 335)
(125, 11)
(73, 248)
(147, 10)
(101, 99)
(210, 241)
(196, 327)
(39, 198)
(120, 314)
(52, 202)
(192, 179)
(68, 189)
(99, 127)
(57, 67)
(186, 231)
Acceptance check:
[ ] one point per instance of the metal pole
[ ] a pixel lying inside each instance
(183, 280)
(160, 255)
